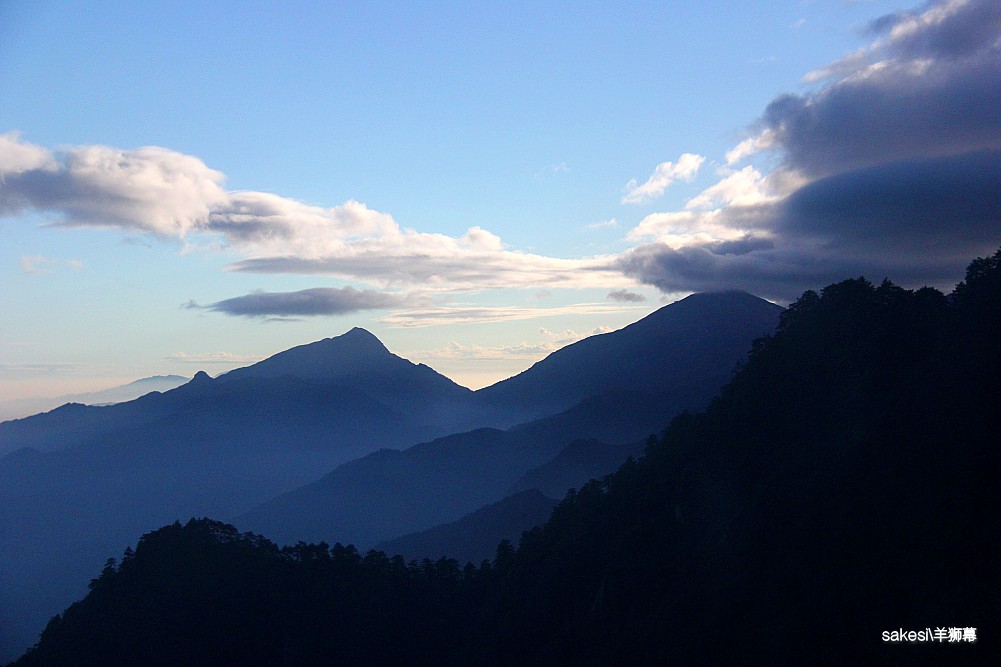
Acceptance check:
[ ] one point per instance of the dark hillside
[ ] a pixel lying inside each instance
(842, 485)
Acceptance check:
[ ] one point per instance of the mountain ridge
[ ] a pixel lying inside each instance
(622, 360)
(230, 444)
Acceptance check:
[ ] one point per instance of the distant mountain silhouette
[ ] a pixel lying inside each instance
(25, 407)
(102, 475)
(474, 537)
(578, 463)
(225, 446)
(390, 493)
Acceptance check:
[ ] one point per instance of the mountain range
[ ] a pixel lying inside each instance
(25, 407)
(337, 440)
(839, 487)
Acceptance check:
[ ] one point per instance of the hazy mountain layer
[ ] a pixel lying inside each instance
(101, 475)
(389, 494)
(474, 537)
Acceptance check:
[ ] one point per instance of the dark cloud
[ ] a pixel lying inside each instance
(625, 296)
(783, 272)
(949, 203)
(929, 88)
(308, 302)
(774, 274)
(891, 114)
(917, 222)
(953, 29)
(901, 158)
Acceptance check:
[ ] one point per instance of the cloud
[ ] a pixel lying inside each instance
(928, 87)
(746, 187)
(469, 314)
(891, 168)
(750, 146)
(625, 296)
(213, 358)
(151, 190)
(445, 264)
(604, 224)
(41, 368)
(666, 173)
(524, 351)
(306, 303)
(41, 265)
(168, 195)
(915, 221)
(17, 157)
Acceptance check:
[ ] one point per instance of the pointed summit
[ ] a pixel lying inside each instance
(356, 352)
(700, 336)
(362, 339)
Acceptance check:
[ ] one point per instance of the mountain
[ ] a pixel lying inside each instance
(797, 518)
(681, 353)
(355, 365)
(578, 463)
(24, 407)
(359, 359)
(102, 475)
(388, 494)
(474, 537)
(839, 489)
(225, 446)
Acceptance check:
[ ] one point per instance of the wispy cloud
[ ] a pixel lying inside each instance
(326, 301)
(625, 296)
(213, 358)
(666, 173)
(549, 342)
(604, 224)
(40, 368)
(41, 265)
(451, 314)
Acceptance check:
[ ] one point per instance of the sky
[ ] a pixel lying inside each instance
(198, 185)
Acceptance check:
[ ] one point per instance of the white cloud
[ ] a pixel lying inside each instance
(167, 194)
(745, 187)
(666, 173)
(40, 265)
(604, 224)
(17, 157)
(761, 141)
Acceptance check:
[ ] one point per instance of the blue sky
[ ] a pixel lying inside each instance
(198, 185)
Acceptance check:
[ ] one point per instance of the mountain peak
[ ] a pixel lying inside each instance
(358, 337)
(356, 351)
(703, 335)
